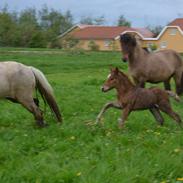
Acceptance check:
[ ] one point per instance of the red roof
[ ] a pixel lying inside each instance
(106, 32)
(177, 22)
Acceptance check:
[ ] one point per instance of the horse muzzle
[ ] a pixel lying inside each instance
(104, 88)
(125, 58)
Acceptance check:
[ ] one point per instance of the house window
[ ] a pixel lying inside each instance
(173, 32)
(107, 43)
(163, 44)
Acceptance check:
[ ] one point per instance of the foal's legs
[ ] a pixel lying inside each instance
(106, 107)
(157, 115)
(124, 117)
(165, 106)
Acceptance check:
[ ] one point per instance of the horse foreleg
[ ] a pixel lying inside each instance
(124, 117)
(157, 115)
(105, 107)
(167, 84)
(140, 82)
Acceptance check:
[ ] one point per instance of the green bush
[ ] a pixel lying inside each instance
(93, 46)
(153, 47)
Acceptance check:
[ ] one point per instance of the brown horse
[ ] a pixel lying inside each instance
(154, 67)
(131, 98)
(18, 83)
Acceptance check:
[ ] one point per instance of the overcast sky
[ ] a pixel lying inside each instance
(139, 12)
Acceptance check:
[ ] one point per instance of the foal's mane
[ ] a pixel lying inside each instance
(125, 79)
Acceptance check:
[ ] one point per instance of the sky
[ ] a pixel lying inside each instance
(140, 13)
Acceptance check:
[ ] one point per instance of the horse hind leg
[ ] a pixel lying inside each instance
(32, 107)
(178, 79)
(157, 115)
(36, 101)
(166, 108)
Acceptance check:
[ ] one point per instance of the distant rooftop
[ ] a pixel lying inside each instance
(107, 32)
(177, 22)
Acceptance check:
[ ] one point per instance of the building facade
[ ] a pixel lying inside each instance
(106, 38)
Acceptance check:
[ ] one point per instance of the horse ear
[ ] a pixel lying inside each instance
(116, 70)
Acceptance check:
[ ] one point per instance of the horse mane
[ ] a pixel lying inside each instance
(126, 79)
(127, 38)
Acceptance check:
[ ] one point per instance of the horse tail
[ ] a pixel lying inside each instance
(46, 92)
(174, 95)
(181, 66)
(181, 86)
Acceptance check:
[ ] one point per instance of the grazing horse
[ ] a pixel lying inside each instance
(153, 67)
(132, 98)
(18, 83)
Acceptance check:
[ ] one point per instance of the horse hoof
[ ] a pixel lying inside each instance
(97, 121)
(121, 126)
(41, 124)
(46, 124)
(120, 123)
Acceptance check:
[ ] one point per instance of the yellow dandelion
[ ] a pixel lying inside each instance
(148, 131)
(180, 179)
(72, 138)
(177, 150)
(78, 174)
(157, 133)
(108, 133)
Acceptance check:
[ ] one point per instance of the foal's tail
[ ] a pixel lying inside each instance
(174, 95)
(47, 92)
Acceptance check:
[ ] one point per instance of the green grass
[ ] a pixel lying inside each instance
(79, 151)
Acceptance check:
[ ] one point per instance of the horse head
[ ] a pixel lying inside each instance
(116, 79)
(128, 43)
(111, 81)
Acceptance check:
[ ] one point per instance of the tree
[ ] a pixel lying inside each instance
(99, 20)
(8, 29)
(88, 20)
(28, 26)
(54, 23)
(123, 22)
(155, 29)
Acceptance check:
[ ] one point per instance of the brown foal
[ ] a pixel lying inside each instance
(131, 98)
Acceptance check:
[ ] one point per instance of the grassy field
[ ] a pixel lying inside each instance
(79, 151)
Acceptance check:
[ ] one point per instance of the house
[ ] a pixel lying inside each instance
(93, 37)
(171, 37)
(106, 38)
